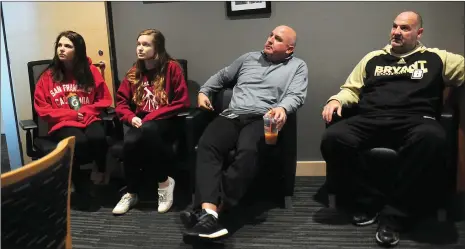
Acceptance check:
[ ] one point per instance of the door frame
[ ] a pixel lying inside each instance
(15, 116)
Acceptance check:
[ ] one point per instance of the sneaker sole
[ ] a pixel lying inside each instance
(366, 223)
(130, 207)
(121, 213)
(215, 235)
(205, 238)
(118, 213)
(384, 243)
(168, 209)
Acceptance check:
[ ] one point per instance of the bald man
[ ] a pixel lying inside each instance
(398, 90)
(271, 81)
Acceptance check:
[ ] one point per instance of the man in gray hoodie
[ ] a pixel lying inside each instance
(271, 81)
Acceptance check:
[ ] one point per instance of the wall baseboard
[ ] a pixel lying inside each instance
(311, 168)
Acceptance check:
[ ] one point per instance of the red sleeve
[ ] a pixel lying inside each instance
(123, 99)
(180, 100)
(102, 98)
(44, 109)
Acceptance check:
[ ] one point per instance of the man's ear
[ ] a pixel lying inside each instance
(419, 33)
(290, 49)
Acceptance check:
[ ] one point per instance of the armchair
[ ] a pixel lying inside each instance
(38, 142)
(384, 157)
(280, 165)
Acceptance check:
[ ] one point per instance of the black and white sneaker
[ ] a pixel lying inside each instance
(207, 227)
(388, 232)
(364, 218)
(190, 218)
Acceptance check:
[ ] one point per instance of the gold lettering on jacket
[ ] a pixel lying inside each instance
(399, 70)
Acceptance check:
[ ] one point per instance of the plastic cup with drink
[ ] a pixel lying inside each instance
(271, 129)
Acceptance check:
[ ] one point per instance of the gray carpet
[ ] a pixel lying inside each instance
(306, 225)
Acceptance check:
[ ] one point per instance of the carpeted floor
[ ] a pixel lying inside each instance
(306, 225)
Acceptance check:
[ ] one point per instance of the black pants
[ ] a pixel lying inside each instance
(149, 150)
(245, 134)
(410, 186)
(91, 145)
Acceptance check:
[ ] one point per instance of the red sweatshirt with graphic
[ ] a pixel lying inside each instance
(51, 100)
(156, 104)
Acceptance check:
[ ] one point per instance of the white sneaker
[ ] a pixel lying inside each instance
(127, 201)
(165, 197)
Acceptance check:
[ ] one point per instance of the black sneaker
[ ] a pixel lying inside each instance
(207, 227)
(364, 218)
(388, 230)
(190, 218)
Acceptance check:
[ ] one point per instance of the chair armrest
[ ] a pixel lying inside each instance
(27, 124)
(196, 122)
(288, 144)
(449, 121)
(346, 112)
(112, 125)
(110, 110)
(108, 114)
(184, 114)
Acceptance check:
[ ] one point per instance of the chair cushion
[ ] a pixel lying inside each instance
(45, 145)
(116, 149)
(380, 158)
(382, 152)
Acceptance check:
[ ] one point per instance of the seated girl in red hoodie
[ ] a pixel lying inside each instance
(149, 98)
(69, 96)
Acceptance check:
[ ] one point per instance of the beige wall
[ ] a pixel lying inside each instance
(31, 29)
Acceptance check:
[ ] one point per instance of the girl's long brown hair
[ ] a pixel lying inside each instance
(162, 58)
(81, 69)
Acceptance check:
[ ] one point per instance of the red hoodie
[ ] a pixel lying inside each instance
(51, 103)
(155, 105)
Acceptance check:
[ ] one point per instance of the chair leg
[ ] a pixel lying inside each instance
(442, 215)
(332, 201)
(288, 202)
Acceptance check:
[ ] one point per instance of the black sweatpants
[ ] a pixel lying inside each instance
(246, 135)
(149, 150)
(91, 145)
(410, 186)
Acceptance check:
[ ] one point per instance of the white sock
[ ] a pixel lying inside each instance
(169, 183)
(209, 211)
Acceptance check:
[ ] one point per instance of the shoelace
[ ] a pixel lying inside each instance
(203, 222)
(162, 195)
(125, 200)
